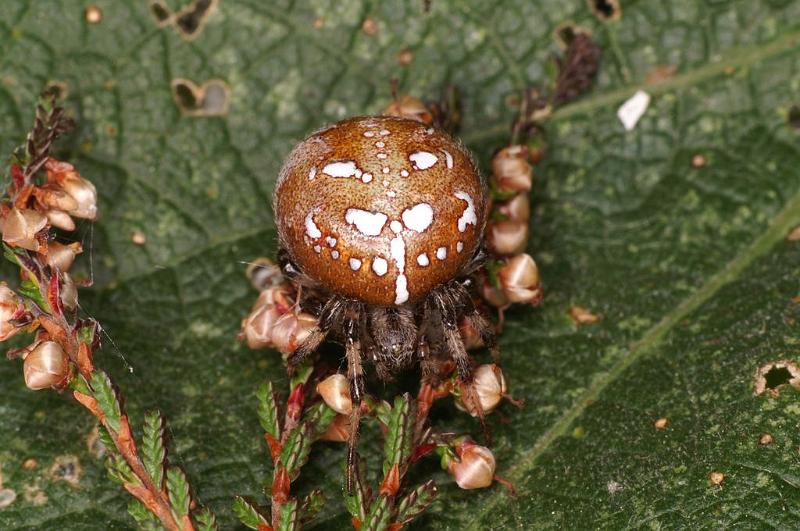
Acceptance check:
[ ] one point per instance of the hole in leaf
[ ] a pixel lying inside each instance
(794, 117)
(190, 20)
(606, 9)
(210, 99)
(161, 12)
(773, 376)
(777, 376)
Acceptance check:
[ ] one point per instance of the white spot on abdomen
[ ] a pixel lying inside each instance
(368, 223)
(311, 228)
(441, 253)
(419, 217)
(335, 255)
(468, 216)
(448, 159)
(380, 266)
(355, 264)
(331, 241)
(460, 246)
(423, 160)
(367, 177)
(397, 248)
(312, 174)
(345, 168)
(423, 260)
(396, 226)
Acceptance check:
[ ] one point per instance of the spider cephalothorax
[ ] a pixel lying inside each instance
(381, 221)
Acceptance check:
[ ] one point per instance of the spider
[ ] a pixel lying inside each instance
(381, 222)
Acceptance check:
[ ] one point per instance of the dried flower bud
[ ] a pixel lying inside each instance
(338, 430)
(84, 193)
(263, 273)
(411, 108)
(492, 294)
(68, 293)
(52, 197)
(60, 256)
(507, 236)
(9, 304)
(60, 219)
(516, 209)
(291, 329)
(475, 468)
(519, 277)
(46, 365)
(278, 296)
(469, 335)
(335, 391)
(257, 327)
(511, 169)
(21, 226)
(489, 385)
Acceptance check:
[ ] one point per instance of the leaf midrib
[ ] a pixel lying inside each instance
(786, 219)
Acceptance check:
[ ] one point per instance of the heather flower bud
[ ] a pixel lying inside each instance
(278, 296)
(60, 256)
(21, 226)
(257, 327)
(338, 430)
(9, 304)
(507, 236)
(53, 197)
(411, 108)
(291, 329)
(68, 292)
(84, 193)
(516, 209)
(263, 273)
(475, 467)
(492, 294)
(519, 277)
(335, 391)
(60, 219)
(489, 386)
(511, 169)
(46, 365)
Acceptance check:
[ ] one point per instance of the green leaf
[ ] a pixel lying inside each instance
(379, 516)
(178, 490)
(416, 502)
(688, 266)
(152, 452)
(319, 416)
(119, 470)
(289, 519)
(103, 391)
(297, 448)
(399, 435)
(311, 506)
(143, 517)
(268, 410)
(248, 513)
(206, 520)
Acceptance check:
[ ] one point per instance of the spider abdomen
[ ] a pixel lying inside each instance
(380, 209)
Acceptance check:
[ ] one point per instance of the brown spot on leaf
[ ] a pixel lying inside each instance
(30, 464)
(716, 478)
(581, 315)
(66, 468)
(660, 73)
(661, 423)
(33, 494)
(765, 439)
(94, 444)
(794, 117)
(775, 375)
(209, 99)
(57, 88)
(698, 161)
(794, 234)
(369, 27)
(138, 237)
(93, 15)
(405, 57)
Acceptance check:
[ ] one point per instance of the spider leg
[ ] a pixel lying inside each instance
(446, 300)
(355, 376)
(329, 317)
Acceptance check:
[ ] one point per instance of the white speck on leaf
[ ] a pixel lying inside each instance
(633, 109)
